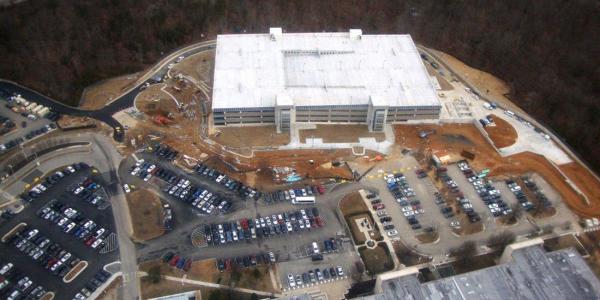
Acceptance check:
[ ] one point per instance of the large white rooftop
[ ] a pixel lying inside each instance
(312, 69)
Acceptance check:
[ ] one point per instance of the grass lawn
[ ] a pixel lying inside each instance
(407, 257)
(376, 260)
(146, 215)
(354, 207)
(206, 270)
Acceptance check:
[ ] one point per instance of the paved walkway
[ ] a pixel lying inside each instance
(214, 285)
(317, 143)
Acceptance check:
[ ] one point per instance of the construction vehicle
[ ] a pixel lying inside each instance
(162, 120)
(425, 133)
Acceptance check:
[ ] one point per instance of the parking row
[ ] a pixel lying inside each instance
(164, 151)
(16, 285)
(6, 125)
(464, 203)
(49, 255)
(248, 261)
(70, 221)
(182, 189)
(30, 135)
(89, 190)
(229, 183)
(490, 195)
(540, 196)
(179, 262)
(28, 109)
(263, 227)
(315, 276)
(92, 285)
(51, 180)
(295, 196)
(411, 208)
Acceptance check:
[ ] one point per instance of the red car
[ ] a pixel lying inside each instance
(319, 221)
(244, 223)
(90, 241)
(174, 260)
(188, 265)
(378, 206)
(321, 189)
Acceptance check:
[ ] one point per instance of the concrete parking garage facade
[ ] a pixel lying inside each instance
(343, 78)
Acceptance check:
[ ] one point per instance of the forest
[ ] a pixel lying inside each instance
(547, 51)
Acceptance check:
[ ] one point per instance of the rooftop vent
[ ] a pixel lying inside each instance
(275, 33)
(355, 34)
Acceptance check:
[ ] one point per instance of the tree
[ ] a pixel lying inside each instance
(499, 241)
(464, 252)
(256, 273)
(155, 274)
(235, 275)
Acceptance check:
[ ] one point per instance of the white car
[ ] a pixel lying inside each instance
(392, 232)
(139, 162)
(126, 188)
(340, 271)
(291, 280)
(78, 190)
(406, 208)
(96, 243)
(147, 177)
(315, 247)
(408, 213)
(135, 171)
(6, 268)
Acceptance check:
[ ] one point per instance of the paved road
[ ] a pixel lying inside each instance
(104, 156)
(122, 102)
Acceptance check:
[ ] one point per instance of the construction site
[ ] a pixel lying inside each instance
(176, 110)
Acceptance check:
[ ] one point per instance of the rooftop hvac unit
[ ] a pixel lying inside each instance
(355, 34)
(275, 33)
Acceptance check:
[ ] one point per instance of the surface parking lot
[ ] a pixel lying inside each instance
(60, 192)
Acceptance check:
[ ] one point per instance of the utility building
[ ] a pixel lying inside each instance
(342, 77)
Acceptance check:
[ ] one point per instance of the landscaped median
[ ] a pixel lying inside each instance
(359, 219)
(146, 215)
(79, 267)
(48, 296)
(255, 278)
(13, 231)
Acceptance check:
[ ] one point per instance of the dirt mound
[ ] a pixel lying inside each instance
(503, 134)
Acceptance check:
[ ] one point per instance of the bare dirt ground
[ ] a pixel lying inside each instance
(67, 121)
(455, 138)
(444, 84)
(164, 287)
(503, 134)
(251, 136)
(96, 96)
(377, 260)
(146, 215)
(206, 270)
(198, 66)
(485, 82)
(585, 181)
(340, 133)
(153, 101)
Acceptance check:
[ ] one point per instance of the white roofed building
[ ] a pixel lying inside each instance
(343, 77)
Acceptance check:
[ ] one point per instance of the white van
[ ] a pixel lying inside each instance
(509, 113)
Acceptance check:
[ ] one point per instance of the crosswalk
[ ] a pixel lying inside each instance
(111, 244)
